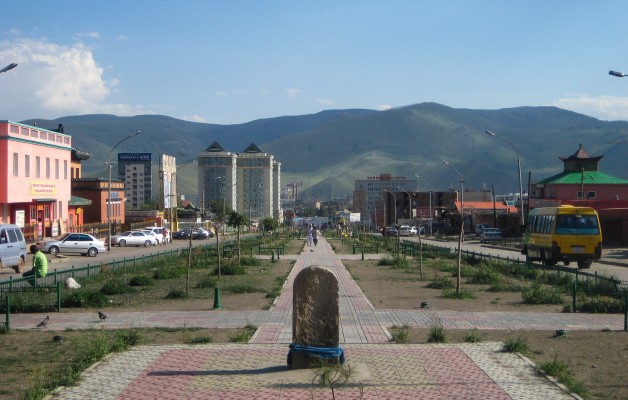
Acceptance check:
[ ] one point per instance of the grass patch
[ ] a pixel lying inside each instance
(244, 334)
(84, 299)
(538, 294)
(142, 280)
(242, 288)
(472, 337)
(437, 332)
(168, 273)
(206, 283)
(116, 286)
(516, 345)
(441, 282)
(399, 334)
(464, 294)
(176, 294)
(561, 371)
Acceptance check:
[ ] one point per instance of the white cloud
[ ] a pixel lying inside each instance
(292, 92)
(121, 37)
(193, 118)
(384, 107)
(54, 80)
(92, 35)
(325, 102)
(602, 107)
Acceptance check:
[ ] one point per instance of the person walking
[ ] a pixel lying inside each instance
(308, 235)
(315, 236)
(40, 266)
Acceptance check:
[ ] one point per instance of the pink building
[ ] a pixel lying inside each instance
(35, 178)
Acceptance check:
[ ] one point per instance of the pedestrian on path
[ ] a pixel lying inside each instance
(315, 236)
(308, 235)
(40, 266)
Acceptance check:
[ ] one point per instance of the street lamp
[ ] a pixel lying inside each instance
(395, 209)
(430, 193)
(617, 74)
(109, 186)
(173, 196)
(461, 225)
(521, 219)
(8, 67)
(409, 199)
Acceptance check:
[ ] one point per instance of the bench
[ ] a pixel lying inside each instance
(265, 249)
(366, 248)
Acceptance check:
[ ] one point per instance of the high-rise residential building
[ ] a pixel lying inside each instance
(134, 169)
(217, 177)
(248, 182)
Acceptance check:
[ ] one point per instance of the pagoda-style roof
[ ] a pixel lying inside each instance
(252, 148)
(215, 148)
(581, 154)
(580, 160)
(583, 177)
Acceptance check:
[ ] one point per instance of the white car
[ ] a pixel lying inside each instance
(134, 238)
(407, 231)
(158, 231)
(73, 243)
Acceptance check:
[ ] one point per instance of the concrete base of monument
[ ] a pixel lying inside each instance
(299, 360)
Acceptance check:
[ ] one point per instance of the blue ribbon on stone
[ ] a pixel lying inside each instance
(321, 352)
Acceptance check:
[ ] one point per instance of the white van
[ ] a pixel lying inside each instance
(12, 247)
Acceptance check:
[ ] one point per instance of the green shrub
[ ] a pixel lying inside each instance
(84, 298)
(441, 282)
(168, 273)
(386, 261)
(538, 294)
(601, 304)
(231, 269)
(437, 332)
(516, 345)
(560, 371)
(472, 337)
(142, 280)
(464, 294)
(399, 334)
(115, 286)
(249, 261)
(485, 276)
(176, 294)
(206, 283)
(201, 340)
(505, 287)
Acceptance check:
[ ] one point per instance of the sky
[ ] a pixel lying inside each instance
(229, 62)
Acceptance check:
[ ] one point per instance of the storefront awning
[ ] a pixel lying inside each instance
(44, 200)
(79, 201)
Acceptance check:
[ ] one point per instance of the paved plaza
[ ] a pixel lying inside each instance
(380, 369)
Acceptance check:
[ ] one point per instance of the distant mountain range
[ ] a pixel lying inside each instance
(329, 150)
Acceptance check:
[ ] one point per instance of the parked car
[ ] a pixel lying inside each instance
(490, 235)
(479, 228)
(73, 243)
(134, 238)
(158, 231)
(390, 231)
(407, 231)
(201, 233)
(151, 233)
(178, 235)
(12, 247)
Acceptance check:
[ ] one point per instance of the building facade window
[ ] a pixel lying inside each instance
(37, 167)
(56, 168)
(65, 169)
(16, 164)
(47, 167)
(27, 165)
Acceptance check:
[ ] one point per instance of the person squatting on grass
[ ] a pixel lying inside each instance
(40, 266)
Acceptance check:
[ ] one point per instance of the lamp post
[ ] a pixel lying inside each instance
(430, 193)
(521, 218)
(173, 196)
(461, 225)
(8, 67)
(109, 185)
(395, 209)
(409, 199)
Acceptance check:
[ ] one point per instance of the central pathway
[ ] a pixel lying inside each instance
(379, 369)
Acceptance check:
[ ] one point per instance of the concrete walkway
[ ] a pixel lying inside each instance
(380, 369)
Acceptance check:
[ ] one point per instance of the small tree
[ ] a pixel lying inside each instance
(237, 220)
(268, 224)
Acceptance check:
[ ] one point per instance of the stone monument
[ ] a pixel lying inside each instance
(315, 319)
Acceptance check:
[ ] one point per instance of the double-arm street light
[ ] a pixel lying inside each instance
(461, 225)
(109, 187)
(8, 67)
(521, 218)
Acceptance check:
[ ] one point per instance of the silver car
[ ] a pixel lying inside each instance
(134, 238)
(73, 243)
